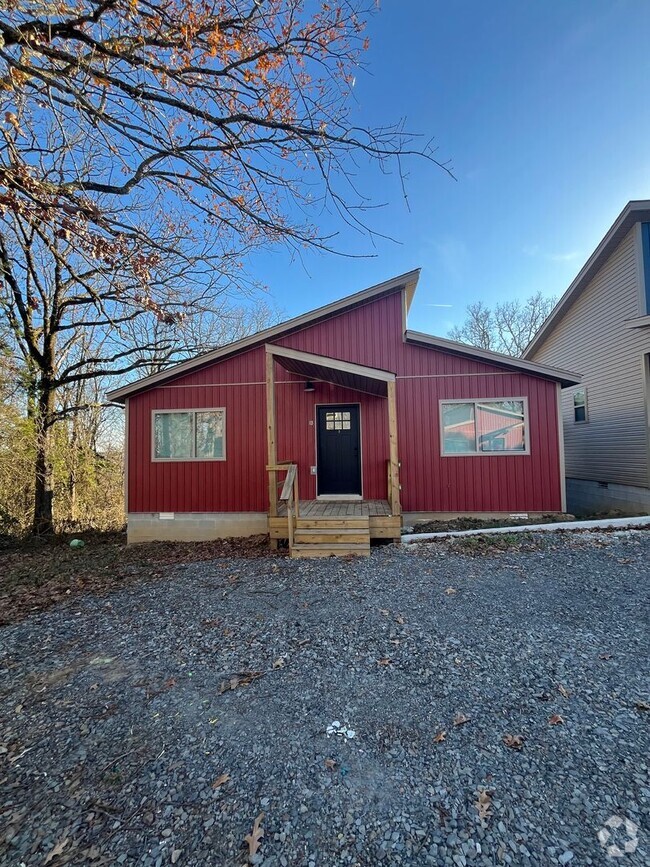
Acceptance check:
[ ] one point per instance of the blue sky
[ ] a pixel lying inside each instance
(542, 108)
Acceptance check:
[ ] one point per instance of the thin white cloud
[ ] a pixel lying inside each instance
(453, 255)
(438, 305)
(534, 250)
(564, 257)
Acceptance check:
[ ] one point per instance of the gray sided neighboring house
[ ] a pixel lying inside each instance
(601, 329)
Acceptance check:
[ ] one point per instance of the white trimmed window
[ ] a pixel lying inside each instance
(580, 405)
(480, 427)
(189, 435)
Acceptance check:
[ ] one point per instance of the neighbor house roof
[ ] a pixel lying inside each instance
(406, 282)
(634, 212)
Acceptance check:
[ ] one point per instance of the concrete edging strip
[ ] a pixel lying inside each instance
(605, 524)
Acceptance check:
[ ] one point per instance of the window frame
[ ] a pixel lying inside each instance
(192, 411)
(583, 389)
(478, 453)
(645, 267)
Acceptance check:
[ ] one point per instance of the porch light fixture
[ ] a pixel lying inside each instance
(309, 386)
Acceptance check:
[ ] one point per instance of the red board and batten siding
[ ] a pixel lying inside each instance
(370, 335)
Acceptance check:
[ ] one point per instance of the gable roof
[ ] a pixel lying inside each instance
(637, 211)
(404, 282)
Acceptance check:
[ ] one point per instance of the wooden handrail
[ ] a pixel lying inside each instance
(289, 493)
(289, 479)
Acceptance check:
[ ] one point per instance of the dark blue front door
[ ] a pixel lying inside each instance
(339, 450)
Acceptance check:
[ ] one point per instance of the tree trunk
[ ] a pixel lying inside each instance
(43, 493)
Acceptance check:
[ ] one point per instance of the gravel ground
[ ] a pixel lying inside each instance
(156, 724)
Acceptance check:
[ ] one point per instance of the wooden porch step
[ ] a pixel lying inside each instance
(335, 536)
(331, 550)
(351, 523)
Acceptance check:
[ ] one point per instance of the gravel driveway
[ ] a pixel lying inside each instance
(154, 725)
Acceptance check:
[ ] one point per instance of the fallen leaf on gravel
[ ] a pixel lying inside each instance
(605, 656)
(543, 696)
(384, 611)
(56, 850)
(515, 742)
(641, 705)
(556, 720)
(279, 663)
(221, 779)
(483, 804)
(439, 738)
(330, 764)
(564, 691)
(460, 719)
(399, 619)
(394, 641)
(450, 591)
(385, 660)
(243, 678)
(176, 854)
(254, 838)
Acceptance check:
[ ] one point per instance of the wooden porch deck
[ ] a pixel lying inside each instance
(339, 509)
(338, 521)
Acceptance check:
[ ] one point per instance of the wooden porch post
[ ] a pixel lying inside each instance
(270, 434)
(394, 495)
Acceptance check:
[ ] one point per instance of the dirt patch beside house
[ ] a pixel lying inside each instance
(38, 573)
(485, 524)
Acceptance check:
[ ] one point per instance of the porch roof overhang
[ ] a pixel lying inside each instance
(321, 367)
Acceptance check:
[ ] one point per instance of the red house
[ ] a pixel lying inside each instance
(337, 426)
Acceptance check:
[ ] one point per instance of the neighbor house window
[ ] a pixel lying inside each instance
(645, 243)
(580, 405)
(475, 427)
(189, 435)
